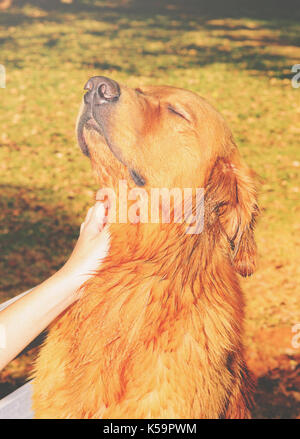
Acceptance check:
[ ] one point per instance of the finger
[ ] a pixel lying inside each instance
(81, 228)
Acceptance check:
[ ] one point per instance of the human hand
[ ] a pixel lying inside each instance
(91, 248)
(30, 315)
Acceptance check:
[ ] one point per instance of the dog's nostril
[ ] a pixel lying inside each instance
(102, 89)
(109, 90)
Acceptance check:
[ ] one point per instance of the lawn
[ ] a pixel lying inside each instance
(236, 54)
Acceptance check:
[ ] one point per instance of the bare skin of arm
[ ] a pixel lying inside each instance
(26, 318)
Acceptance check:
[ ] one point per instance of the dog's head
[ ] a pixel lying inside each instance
(166, 137)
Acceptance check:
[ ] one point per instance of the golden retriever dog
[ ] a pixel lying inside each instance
(157, 332)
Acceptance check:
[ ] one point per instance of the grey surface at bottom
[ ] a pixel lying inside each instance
(17, 405)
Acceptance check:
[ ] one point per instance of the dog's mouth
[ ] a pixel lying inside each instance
(87, 122)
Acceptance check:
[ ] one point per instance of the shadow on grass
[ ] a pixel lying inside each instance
(212, 9)
(36, 238)
(277, 394)
(245, 52)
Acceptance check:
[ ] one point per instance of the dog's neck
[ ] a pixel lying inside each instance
(167, 251)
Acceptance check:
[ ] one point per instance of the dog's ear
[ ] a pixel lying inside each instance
(233, 194)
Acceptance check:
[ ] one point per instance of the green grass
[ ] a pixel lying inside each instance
(238, 58)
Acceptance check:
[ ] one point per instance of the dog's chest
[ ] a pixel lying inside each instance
(148, 359)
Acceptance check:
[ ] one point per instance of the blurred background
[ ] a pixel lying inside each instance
(238, 54)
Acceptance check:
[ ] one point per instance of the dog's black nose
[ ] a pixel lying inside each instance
(101, 90)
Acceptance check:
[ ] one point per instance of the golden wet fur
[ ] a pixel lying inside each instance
(158, 330)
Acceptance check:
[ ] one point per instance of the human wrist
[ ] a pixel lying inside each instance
(68, 282)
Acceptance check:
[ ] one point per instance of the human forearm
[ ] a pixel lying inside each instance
(25, 319)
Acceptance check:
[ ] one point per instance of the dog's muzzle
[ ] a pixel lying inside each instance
(101, 93)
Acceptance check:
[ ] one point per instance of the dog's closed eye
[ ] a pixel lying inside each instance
(178, 112)
(139, 91)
